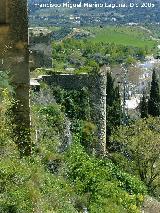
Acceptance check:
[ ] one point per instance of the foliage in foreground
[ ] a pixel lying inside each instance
(107, 188)
(30, 185)
(26, 183)
(139, 152)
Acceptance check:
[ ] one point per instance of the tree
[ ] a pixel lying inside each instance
(110, 92)
(154, 100)
(113, 106)
(144, 107)
(116, 108)
(140, 145)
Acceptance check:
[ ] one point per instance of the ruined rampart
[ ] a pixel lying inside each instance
(96, 85)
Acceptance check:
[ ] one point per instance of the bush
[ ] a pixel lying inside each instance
(103, 182)
(26, 183)
(140, 145)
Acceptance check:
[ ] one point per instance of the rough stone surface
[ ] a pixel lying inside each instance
(14, 54)
(151, 205)
(96, 85)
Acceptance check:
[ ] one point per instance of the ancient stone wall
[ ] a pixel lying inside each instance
(96, 85)
(40, 47)
(14, 54)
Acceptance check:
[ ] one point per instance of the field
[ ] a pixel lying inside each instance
(128, 36)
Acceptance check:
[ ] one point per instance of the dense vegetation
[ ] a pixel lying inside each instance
(139, 145)
(52, 180)
(88, 56)
(151, 105)
(63, 173)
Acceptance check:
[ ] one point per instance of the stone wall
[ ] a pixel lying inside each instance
(14, 54)
(40, 47)
(96, 85)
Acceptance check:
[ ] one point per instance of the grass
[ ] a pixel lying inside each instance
(128, 36)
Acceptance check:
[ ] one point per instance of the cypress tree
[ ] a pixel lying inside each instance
(117, 109)
(144, 107)
(113, 105)
(110, 91)
(154, 100)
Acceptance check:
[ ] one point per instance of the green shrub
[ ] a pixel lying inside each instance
(104, 182)
(140, 144)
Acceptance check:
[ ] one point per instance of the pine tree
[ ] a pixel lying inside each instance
(154, 100)
(144, 107)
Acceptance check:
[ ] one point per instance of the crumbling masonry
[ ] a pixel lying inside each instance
(14, 56)
(96, 85)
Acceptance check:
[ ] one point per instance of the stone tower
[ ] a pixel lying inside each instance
(14, 56)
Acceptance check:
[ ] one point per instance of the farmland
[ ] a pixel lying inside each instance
(126, 35)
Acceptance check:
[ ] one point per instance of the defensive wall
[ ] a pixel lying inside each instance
(96, 85)
(14, 57)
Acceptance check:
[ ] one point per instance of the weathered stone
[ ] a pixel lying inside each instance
(96, 85)
(151, 205)
(14, 56)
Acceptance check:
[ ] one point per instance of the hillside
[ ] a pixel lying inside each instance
(139, 12)
(124, 35)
